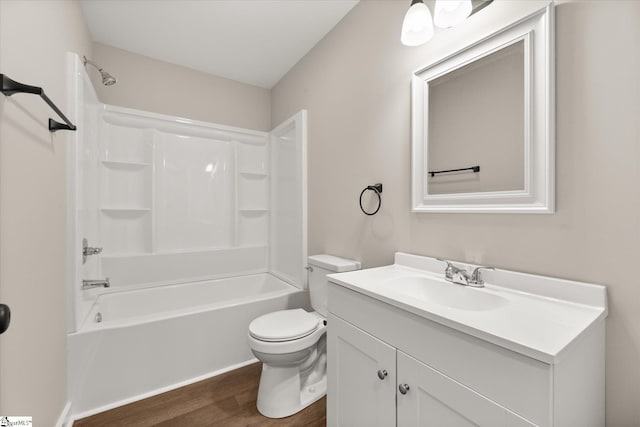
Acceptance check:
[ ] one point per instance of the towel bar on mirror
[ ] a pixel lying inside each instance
(475, 169)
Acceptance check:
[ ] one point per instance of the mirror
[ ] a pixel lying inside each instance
(473, 113)
(482, 131)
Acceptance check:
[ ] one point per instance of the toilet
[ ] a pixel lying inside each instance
(292, 346)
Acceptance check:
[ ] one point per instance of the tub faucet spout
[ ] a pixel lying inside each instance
(90, 284)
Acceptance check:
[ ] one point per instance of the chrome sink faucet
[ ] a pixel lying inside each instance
(461, 276)
(452, 271)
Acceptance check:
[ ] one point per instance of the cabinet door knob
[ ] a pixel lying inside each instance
(382, 374)
(404, 388)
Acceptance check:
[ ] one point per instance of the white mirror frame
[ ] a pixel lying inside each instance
(538, 195)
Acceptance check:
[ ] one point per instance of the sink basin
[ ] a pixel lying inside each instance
(446, 294)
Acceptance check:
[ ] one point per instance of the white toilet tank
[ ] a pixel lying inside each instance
(321, 265)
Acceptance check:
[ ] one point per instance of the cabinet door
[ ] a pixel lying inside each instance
(433, 399)
(358, 391)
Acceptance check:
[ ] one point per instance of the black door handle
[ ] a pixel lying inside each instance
(5, 317)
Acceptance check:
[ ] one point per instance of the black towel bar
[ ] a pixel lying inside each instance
(11, 87)
(472, 168)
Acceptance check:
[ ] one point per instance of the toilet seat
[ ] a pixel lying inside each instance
(290, 345)
(283, 325)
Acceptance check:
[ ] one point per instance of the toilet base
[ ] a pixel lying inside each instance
(281, 393)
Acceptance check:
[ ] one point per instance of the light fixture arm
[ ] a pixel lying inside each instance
(479, 6)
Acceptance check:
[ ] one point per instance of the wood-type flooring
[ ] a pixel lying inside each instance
(227, 400)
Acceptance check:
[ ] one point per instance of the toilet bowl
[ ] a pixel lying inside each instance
(291, 344)
(294, 363)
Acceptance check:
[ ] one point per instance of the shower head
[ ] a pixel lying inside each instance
(107, 79)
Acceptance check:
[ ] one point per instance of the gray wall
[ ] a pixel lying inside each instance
(355, 84)
(151, 85)
(34, 39)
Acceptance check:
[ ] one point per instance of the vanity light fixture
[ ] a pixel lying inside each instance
(417, 28)
(448, 13)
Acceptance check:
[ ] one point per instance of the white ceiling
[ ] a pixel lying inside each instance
(252, 41)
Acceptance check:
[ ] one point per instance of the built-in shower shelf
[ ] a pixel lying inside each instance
(252, 210)
(250, 174)
(132, 210)
(118, 164)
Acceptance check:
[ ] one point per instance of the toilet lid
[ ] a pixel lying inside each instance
(285, 325)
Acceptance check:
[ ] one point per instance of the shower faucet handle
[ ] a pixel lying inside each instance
(88, 251)
(91, 251)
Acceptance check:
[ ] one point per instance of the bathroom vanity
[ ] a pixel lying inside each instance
(407, 348)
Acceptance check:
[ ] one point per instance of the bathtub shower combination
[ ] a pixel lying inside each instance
(202, 229)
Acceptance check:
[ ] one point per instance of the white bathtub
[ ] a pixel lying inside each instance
(152, 340)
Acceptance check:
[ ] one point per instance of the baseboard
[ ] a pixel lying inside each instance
(64, 415)
(155, 392)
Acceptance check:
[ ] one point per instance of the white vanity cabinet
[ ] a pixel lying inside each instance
(391, 364)
(374, 384)
(431, 398)
(362, 387)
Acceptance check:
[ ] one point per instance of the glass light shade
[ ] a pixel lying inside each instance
(417, 27)
(448, 13)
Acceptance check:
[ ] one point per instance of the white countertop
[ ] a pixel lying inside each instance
(538, 316)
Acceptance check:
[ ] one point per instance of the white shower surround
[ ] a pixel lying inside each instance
(180, 200)
(174, 201)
